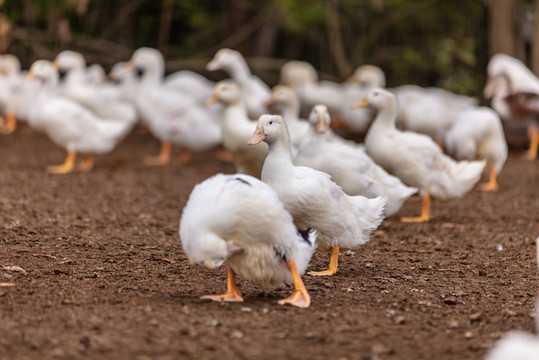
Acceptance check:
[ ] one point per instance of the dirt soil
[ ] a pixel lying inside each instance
(99, 271)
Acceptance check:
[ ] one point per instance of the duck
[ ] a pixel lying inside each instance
(303, 78)
(478, 135)
(514, 93)
(364, 78)
(126, 80)
(69, 124)
(348, 163)
(172, 116)
(287, 100)
(415, 158)
(247, 229)
(102, 99)
(253, 90)
(312, 198)
(429, 111)
(237, 129)
(16, 94)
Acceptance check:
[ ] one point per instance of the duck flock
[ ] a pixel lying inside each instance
(293, 168)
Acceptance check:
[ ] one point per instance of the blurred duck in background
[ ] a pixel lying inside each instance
(478, 135)
(286, 100)
(237, 129)
(173, 115)
(514, 91)
(16, 94)
(429, 111)
(254, 91)
(69, 124)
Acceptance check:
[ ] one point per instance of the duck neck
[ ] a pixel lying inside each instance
(291, 111)
(239, 71)
(154, 72)
(279, 159)
(386, 117)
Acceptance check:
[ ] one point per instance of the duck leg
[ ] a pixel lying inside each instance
(10, 125)
(163, 157)
(533, 134)
(425, 212)
(66, 167)
(87, 163)
(301, 297)
(233, 293)
(492, 184)
(333, 264)
(185, 156)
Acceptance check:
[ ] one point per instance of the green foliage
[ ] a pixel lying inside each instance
(426, 42)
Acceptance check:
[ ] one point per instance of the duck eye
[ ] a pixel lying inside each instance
(271, 122)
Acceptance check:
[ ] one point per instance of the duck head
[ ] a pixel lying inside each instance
(319, 118)
(225, 92)
(268, 129)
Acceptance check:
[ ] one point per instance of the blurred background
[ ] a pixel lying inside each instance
(425, 42)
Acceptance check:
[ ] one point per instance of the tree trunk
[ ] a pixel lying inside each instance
(535, 40)
(500, 27)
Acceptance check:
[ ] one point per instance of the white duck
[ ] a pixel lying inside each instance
(239, 221)
(430, 111)
(415, 158)
(237, 129)
(303, 78)
(514, 90)
(172, 115)
(126, 80)
(348, 164)
(16, 95)
(478, 135)
(286, 99)
(103, 99)
(313, 200)
(364, 78)
(69, 124)
(253, 90)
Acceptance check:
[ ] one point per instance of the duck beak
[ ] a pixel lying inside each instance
(130, 65)
(215, 64)
(56, 64)
(269, 101)
(29, 76)
(212, 100)
(321, 126)
(362, 103)
(490, 89)
(257, 137)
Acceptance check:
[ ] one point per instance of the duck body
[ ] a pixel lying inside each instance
(312, 198)
(514, 90)
(430, 111)
(478, 135)
(247, 213)
(348, 164)
(104, 99)
(172, 115)
(69, 124)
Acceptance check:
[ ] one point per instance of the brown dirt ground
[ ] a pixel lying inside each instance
(104, 276)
